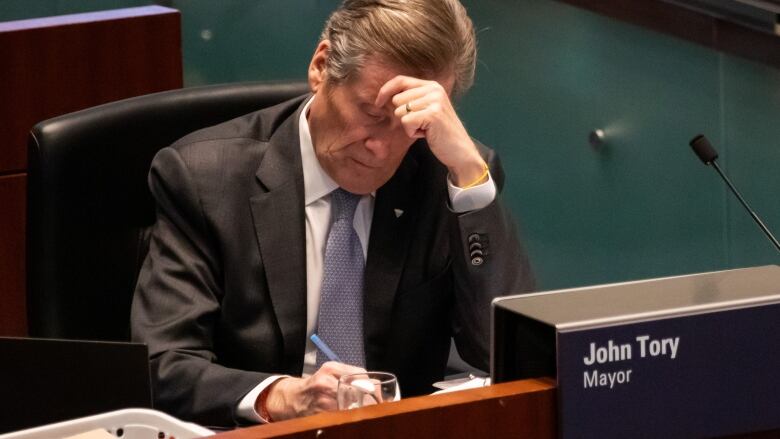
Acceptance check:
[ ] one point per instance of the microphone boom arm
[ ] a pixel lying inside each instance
(744, 203)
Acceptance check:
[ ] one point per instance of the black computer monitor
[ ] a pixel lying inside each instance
(44, 380)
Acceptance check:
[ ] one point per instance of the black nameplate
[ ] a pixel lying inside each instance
(710, 374)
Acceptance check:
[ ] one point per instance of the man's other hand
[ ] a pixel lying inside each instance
(295, 397)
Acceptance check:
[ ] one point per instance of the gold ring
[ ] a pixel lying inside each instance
(408, 108)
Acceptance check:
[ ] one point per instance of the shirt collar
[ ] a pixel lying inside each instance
(316, 182)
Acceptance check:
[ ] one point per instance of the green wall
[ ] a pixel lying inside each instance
(640, 206)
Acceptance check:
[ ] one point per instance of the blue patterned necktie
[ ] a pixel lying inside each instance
(340, 321)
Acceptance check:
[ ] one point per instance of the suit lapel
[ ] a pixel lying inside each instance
(279, 221)
(387, 255)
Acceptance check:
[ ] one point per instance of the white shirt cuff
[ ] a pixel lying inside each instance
(473, 198)
(246, 408)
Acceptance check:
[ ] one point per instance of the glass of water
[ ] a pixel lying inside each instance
(367, 388)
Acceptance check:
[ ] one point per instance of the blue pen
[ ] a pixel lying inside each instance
(324, 348)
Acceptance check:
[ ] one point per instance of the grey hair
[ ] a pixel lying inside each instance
(425, 37)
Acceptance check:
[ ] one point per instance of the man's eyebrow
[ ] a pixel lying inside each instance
(370, 107)
(364, 99)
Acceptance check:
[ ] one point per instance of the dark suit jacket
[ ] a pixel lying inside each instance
(221, 298)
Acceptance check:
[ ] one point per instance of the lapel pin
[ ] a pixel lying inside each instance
(398, 213)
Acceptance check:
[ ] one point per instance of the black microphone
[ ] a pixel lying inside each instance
(707, 154)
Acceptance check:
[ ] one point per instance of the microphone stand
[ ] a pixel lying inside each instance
(744, 203)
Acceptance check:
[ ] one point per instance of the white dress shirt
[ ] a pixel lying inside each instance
(317, 188)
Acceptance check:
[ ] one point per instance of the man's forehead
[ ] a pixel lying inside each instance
(375, 73)
(372, 76)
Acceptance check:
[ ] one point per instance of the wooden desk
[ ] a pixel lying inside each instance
(517, 409)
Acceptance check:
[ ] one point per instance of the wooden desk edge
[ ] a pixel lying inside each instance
(416, 404)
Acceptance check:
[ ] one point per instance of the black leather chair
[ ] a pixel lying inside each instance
(89, 208)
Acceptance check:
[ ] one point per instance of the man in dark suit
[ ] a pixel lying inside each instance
(241, 267)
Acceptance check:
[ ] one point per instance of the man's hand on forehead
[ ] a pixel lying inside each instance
(425, 111)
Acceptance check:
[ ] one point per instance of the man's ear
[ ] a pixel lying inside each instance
(317, 66)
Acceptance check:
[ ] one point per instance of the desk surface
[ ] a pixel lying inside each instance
(515, 409)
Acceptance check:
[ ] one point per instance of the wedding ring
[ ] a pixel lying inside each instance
(408, 108)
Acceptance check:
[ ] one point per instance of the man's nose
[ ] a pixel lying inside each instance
(378, 145)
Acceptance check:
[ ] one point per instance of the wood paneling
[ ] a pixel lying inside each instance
(13, 319)
(56, 65)
(510, 410)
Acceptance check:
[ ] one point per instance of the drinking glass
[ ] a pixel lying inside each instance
(367, 388)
